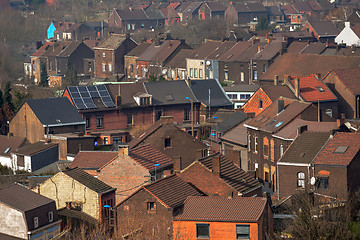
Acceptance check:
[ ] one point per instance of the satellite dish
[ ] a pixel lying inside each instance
(312, 181)
(208, 63)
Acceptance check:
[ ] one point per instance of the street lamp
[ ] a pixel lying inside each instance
(192, 115)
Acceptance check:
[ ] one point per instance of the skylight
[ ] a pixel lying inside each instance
(320, 89)
(7, 150)
(278, 124)
(341, 149)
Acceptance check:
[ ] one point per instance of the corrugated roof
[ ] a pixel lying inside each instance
(237, 178)
(222, 209)
(34, 148)
(23, 199)
(55, 111)
(92, 159)
(89, 181)
(147, 156)
(305, 147)
(328, 156)
(172, 190)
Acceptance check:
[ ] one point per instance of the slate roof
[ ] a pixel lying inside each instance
(182, 7)
(350, 78)
(313, 89)
(112, 42)
(306, 64)
(154, 13)
(21, 198)
(161, 52)
(274, 92)
(249, 7)
(171, 190)
(56, 48)
(169, 13)
(315, 6)
(274, 11)
(222, 209)
(14, 143)
(134, 14)
(88, 180)
(237, 135)
(179, 60)
(42, 49)
(306, 48)
(147, 156)
(93, 159)
(170, 92)
(192, 7)
(302, 6)
(289, 9)
(55, 111)
(218, 97)
(305, 147)
(242, 88)
(234, 52)
(138, 50)
(206, 49)
(219, 51)
(34, 148)
(328, 156)
(268, 120)
(324, 28)
(70, 49)
(230, 122)
(234, 176)
(216, 6)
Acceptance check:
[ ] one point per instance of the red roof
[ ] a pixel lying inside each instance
(339, 150)
(313, 89)
(173, 5)
(222, 209)
(93, 159)
(289, 9)
(147, 156)
(42, 49)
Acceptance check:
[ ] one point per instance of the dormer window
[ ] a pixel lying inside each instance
(51, 216)
(144, 101)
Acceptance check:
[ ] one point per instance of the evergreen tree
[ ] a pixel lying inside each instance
(263, 24)
(43, 76)
(7, 99)
(71, 75)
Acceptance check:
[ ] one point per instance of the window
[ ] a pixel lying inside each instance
(36, 222)
(132, 26)
(195, 72)
(242, 231)
(329, 112)
(266, 151)
(167, 142)
(191, 72)
(104, 67)
(255, 143)
(158, 115)
(341, 149)
(200, 73)
(226, 75)
(202, 231)
(129, 119)
(20, 161)
(104, 54)
(255, 75)
(51, 216)
(186, 115)
(281, 150)
(87, 122)
(249, 142)
(99, 122)
(233, 96)
(110, 68)
(323, 183)
(151, 206)
(242, 76)
(145, 101)
(260, 104)
(106, 140)
(301, 179)
(129, 26)
(131, 68)
(89, 66)
(117, 140)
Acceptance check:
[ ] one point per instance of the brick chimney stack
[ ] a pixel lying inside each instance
(276, 80)
(177, 164)
(123, 151)
(216, 165)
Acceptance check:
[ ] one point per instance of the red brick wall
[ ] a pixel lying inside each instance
(252, 105)
(288, 180)
(99, 60)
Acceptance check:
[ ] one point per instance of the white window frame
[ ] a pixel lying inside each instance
(200, 73)
(104, 67)
(36, 222)
(301, 180)
(103, 54)
(249, 142)
(51, 216)
(329, 112)
(110, 67)
(255, 144)
(281, 150)
(242, 76)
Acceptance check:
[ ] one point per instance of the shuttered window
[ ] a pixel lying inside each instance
(242, 231)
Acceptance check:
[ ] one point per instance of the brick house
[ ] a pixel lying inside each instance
(323, 31)
(343, 82)
(170, 15)
(150, 210)
(166, 137)
(232, 220)
(292, 15)
(130, 58)
(73, 31)
(244, 13)
(211, 10)
(27, 215)
(125, 170)
(37, 60)
(239, 94)
(176, 68)
(109, 55)
(191, 12)
(264, 149)
(81, 190)
(216, 175)
(37, 118)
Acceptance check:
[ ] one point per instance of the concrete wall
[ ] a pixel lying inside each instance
(12, 222)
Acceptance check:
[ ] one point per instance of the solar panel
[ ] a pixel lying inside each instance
(101, 87)
(109, 104)
(72, 89)
(90, 105)
(92, 89)
(104, 93)
(85, 94)
(82, 89)
(80, 106)
(106, 99)
(78, 101)
(75, 95)
(94, 94)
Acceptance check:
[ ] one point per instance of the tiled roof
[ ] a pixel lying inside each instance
(21, 198)
(242, 88)
(306, 64)
(305, 147)
(91, 43)
(206, 49)
(161, 52)
(42, 49)
(169, 13)
(112, 42)
(55, 111)
(179, 60)
(222, 209)
(136, 141)
(306, 47)
(219, 51)
(269, 121)
(34, 148)
(274, 92)
(216, 6)
(289, 9)
(89, 181)
(274, 11)
(183, 6)
(230, 122)
(134, 14)
(237, 135)
(290, 130)
(269, 51)
(249, 7)
(192, 7)
(314, 5)
(234, 52)
(147, 156)
(350, 78)
(56, 48)
(174, 5)
(237, 178)
(172, 190)
(93, 159)
(328, 156)
(324, 28)
(154, 13)
(70, 49)
(13, 143)
(138, 50)
(302, 6)
(313, 89)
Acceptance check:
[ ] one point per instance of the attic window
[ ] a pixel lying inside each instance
(169, 97)
(278, 124)
(320, 89)
(341, 149)
(7, 150)
(272, 122)
(58, 120)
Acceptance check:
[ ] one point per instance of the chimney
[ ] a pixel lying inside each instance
(301, 129)
(216, 165)
(318, 76)
(166, 173)
(123, 150)
(167, 119)
(177, 164)
(68, 205)
(157, 42)
(297, 87)
(259, 49)
(276, 80)
(118, 97)
(347, 24)
(279, 105)
(341, 120)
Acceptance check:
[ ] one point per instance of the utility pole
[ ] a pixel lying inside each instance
(209, 102)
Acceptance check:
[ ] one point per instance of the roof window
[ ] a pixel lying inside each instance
(320, 89)
(341, 149)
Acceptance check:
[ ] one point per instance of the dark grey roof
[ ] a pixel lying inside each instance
(154, 13)
(21, 198)
(233, 120)
(55, 111)
(88, 180)
(242, 88)
(218, 97)
(76, 214)
(324, 28)
(169, 92)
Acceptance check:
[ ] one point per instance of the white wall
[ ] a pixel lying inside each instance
(12, 222)
(5, 161)
(347, 36)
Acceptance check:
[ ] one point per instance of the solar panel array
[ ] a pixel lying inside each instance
(82, 96)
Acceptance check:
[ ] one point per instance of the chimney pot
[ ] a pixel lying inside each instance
(276, 80)
(123, 150)
(302, 129)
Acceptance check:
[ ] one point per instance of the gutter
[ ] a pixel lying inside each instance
(63, 124)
